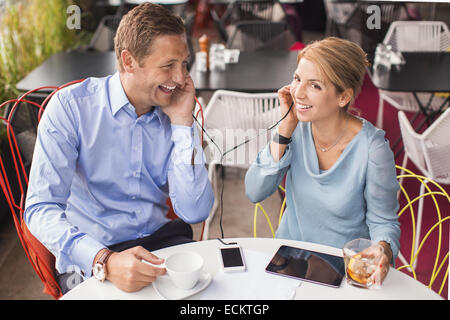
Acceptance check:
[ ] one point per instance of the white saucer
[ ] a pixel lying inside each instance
(167, 290)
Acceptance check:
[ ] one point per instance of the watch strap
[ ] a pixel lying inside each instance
(278, 138)
(99, 268)
(104, 257)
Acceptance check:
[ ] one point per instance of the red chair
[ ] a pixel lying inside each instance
(40, 258)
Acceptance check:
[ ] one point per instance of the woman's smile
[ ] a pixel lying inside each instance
(302, 107)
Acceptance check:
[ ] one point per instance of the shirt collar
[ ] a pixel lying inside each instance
(118, 99)
(158, 113)
(117, 96)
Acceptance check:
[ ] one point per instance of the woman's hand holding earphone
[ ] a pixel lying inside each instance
(289, 123)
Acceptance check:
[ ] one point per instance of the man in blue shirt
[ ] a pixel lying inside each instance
(109, 153)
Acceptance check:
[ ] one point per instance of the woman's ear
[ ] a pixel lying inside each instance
(346, 97)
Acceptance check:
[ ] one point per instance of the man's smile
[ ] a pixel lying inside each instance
(167, 89)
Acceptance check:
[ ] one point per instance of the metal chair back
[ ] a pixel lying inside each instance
(21, 125)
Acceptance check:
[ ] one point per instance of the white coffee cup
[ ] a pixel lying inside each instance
(184, 268)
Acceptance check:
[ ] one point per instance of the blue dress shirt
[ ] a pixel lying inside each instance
(355, 198)
(101, 175)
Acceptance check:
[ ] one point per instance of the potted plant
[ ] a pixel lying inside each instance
(31, 31)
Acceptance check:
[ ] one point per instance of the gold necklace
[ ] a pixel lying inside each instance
(335, 143)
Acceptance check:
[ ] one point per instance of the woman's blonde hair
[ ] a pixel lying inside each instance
(341, 61)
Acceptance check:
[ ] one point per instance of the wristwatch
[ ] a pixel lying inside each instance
(99, 269)
(278, 138)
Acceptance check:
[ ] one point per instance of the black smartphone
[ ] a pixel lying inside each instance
(307, 265)
(232, 259)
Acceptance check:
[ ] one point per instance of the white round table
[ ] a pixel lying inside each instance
(397, 285)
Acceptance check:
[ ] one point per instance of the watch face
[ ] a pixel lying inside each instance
(99, 272)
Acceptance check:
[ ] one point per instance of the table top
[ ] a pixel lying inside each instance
(422, 72)
(64, 67)
(257, 71)
(397, 285)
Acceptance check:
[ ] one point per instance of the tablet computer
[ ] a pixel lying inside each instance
(308, 265)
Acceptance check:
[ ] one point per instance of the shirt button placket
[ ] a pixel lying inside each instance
(135, 162)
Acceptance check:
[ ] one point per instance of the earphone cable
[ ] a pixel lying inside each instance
(222, 156)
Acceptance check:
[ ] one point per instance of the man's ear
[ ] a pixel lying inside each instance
(128, 62)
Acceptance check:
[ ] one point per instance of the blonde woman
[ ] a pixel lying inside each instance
(341, 181)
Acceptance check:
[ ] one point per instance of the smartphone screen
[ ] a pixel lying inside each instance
(231, 257)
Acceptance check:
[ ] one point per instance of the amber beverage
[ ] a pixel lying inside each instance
(362, 258)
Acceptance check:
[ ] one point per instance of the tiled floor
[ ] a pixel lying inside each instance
(18, 279)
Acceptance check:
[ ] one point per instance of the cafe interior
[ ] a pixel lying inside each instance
(241, 53)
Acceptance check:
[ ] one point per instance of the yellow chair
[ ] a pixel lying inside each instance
(439, 263)
(408, 265)
(259, 206)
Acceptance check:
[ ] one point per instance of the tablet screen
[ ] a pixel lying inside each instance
(308, 265)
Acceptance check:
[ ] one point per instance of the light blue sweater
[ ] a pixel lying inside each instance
(355, 198)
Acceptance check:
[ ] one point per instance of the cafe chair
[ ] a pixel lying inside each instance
(429, 152)
(257, 35)
(103, 38)
(255, 10)
(405, 36)
(440, 264)
(230, 119)
(338, 16)
(21, 127)
(259, 207)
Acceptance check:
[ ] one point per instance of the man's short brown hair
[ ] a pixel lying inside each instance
(140, 26)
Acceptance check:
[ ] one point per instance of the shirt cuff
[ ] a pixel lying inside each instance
(186, 141)
(84, 252)
(265, 160)
(184, 137)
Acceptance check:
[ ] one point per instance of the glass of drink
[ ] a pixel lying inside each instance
(362, 258)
